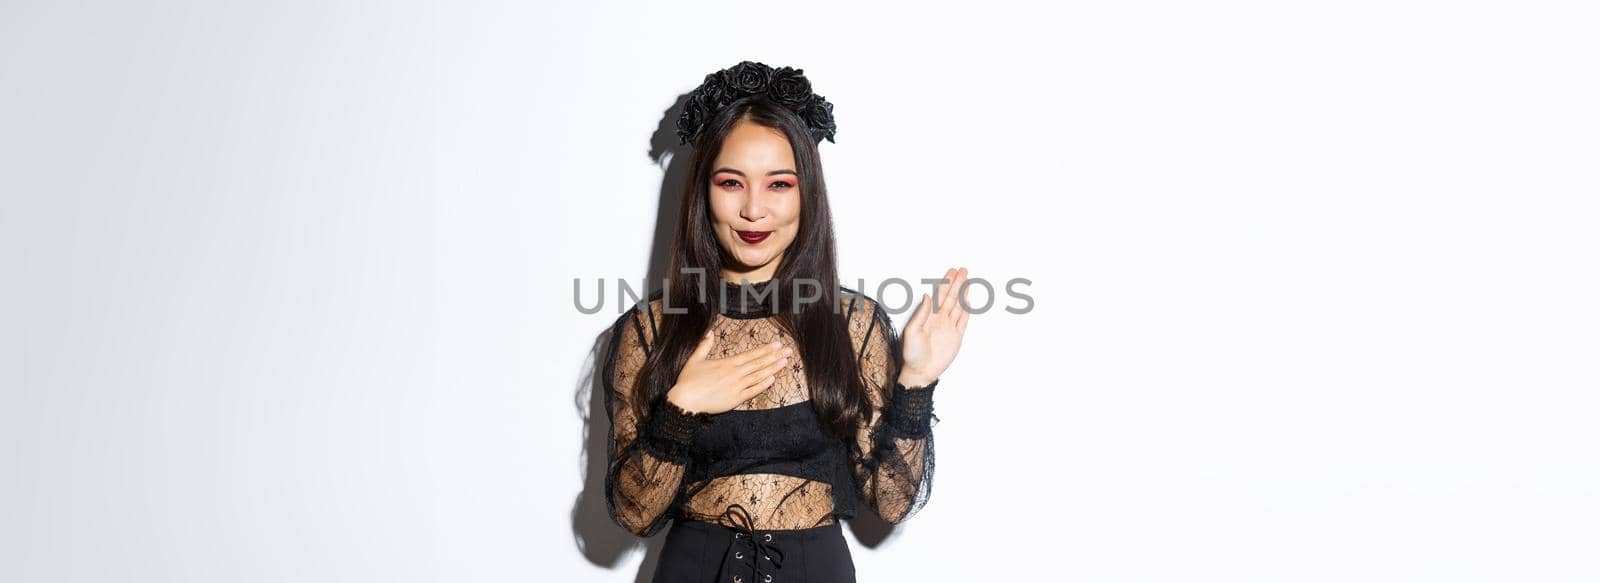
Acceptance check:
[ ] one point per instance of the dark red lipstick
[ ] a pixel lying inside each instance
(753, 237)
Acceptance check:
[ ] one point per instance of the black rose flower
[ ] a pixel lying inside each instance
(714, 92)
(694, 114)
(789, 88)
(747, 77)
(818, 114)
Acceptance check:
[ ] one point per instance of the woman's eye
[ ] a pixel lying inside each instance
(729, 183)
(781, 185)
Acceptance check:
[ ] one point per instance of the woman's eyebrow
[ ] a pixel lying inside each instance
(772, 173)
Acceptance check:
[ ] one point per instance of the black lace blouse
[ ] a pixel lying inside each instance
(769, 455)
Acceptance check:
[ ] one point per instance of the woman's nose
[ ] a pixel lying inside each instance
(754, 208)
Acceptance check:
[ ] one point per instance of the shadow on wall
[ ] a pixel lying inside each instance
(596, 535)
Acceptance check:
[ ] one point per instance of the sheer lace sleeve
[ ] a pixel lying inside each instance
(895, 475)
(648, 452)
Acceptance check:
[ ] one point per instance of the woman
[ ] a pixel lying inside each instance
(755, 415)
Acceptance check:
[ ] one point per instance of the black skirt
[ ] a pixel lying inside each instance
(704, 552)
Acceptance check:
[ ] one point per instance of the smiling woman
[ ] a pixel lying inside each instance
(755, 201)
(755, 418)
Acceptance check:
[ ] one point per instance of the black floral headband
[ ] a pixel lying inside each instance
(784, 86)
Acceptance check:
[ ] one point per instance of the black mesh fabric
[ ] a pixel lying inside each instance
(769, 454)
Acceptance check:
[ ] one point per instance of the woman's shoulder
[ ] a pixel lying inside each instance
(863, 311)
(858, 301)
(640, 320)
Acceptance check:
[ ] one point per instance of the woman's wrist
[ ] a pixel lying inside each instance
(671, 429)
(910, 410)
(915, 380)
(675, 402)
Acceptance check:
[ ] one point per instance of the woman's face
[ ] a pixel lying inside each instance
(755, 200)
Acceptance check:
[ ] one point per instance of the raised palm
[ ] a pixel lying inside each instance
(932, 338)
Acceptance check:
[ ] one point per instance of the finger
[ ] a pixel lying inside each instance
(946, 291)
(958, 297)
(961, 321)
(757, 353)
(703, 349)
(770, 370)
(759, 385)
(765, 361)
(921, 313)
(942, 290)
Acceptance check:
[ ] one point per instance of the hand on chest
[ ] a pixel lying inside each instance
(735, 336)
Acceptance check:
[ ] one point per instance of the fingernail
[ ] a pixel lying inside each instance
(788, 351)
(777, 344)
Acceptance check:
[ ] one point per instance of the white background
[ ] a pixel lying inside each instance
(288, 285)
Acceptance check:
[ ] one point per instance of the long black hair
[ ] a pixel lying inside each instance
(820, 330)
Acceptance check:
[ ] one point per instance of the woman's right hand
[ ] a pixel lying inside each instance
(707, 385)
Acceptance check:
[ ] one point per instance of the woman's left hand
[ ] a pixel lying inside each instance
(932, 337)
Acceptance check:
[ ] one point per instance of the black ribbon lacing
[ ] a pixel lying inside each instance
(756, 543)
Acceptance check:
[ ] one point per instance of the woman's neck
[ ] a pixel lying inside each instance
(757, 275)
(750, 299)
